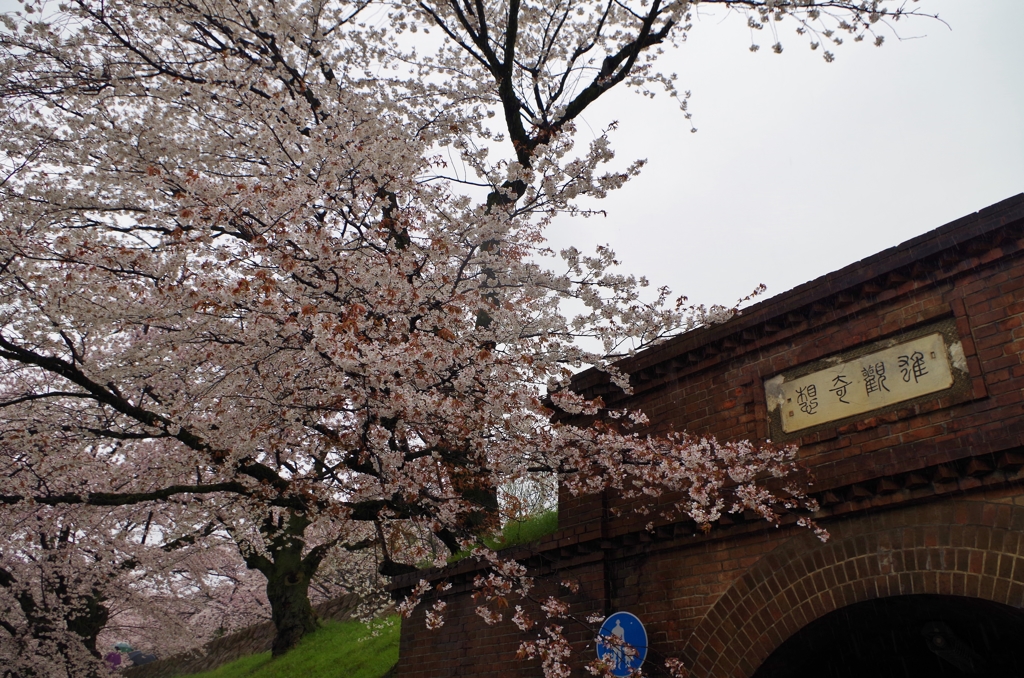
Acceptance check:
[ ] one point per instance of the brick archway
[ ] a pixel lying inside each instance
(962, 548)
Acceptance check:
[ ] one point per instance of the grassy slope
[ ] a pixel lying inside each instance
(521, 532)
(514, 533)
(338, 650)
(346, 649)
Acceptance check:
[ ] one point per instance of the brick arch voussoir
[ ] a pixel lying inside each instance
(964, 548)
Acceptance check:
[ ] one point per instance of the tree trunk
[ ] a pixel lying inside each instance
(88, 622)
(288, 592)
(288, 575)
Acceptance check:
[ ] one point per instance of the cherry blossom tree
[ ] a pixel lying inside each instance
(243, 289)
(52, 600)
(540, 65)
(68, 577)
(76, 579)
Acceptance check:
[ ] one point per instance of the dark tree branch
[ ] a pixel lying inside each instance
(124, 498)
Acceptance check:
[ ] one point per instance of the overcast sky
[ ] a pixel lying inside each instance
(800, 167)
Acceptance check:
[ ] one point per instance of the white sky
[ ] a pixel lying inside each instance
(800, 167)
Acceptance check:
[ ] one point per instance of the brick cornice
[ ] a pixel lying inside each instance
(562, 551)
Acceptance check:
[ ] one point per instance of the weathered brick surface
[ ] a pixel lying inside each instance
(921, 496)
(466, 646)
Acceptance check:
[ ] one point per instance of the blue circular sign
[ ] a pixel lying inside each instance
(626, 644)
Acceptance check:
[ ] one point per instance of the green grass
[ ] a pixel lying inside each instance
(347, 649)
(338, 650)
(523, 532)
(513, 534)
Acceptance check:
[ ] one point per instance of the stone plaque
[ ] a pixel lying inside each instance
(870, 382)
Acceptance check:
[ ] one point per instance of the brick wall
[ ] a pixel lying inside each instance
(970, 546)
(918, 497)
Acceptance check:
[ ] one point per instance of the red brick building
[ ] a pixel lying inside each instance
(920, 483)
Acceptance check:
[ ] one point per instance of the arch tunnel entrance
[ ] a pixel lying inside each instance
(917, 636)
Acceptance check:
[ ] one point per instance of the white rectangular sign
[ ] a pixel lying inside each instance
(870, 382)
